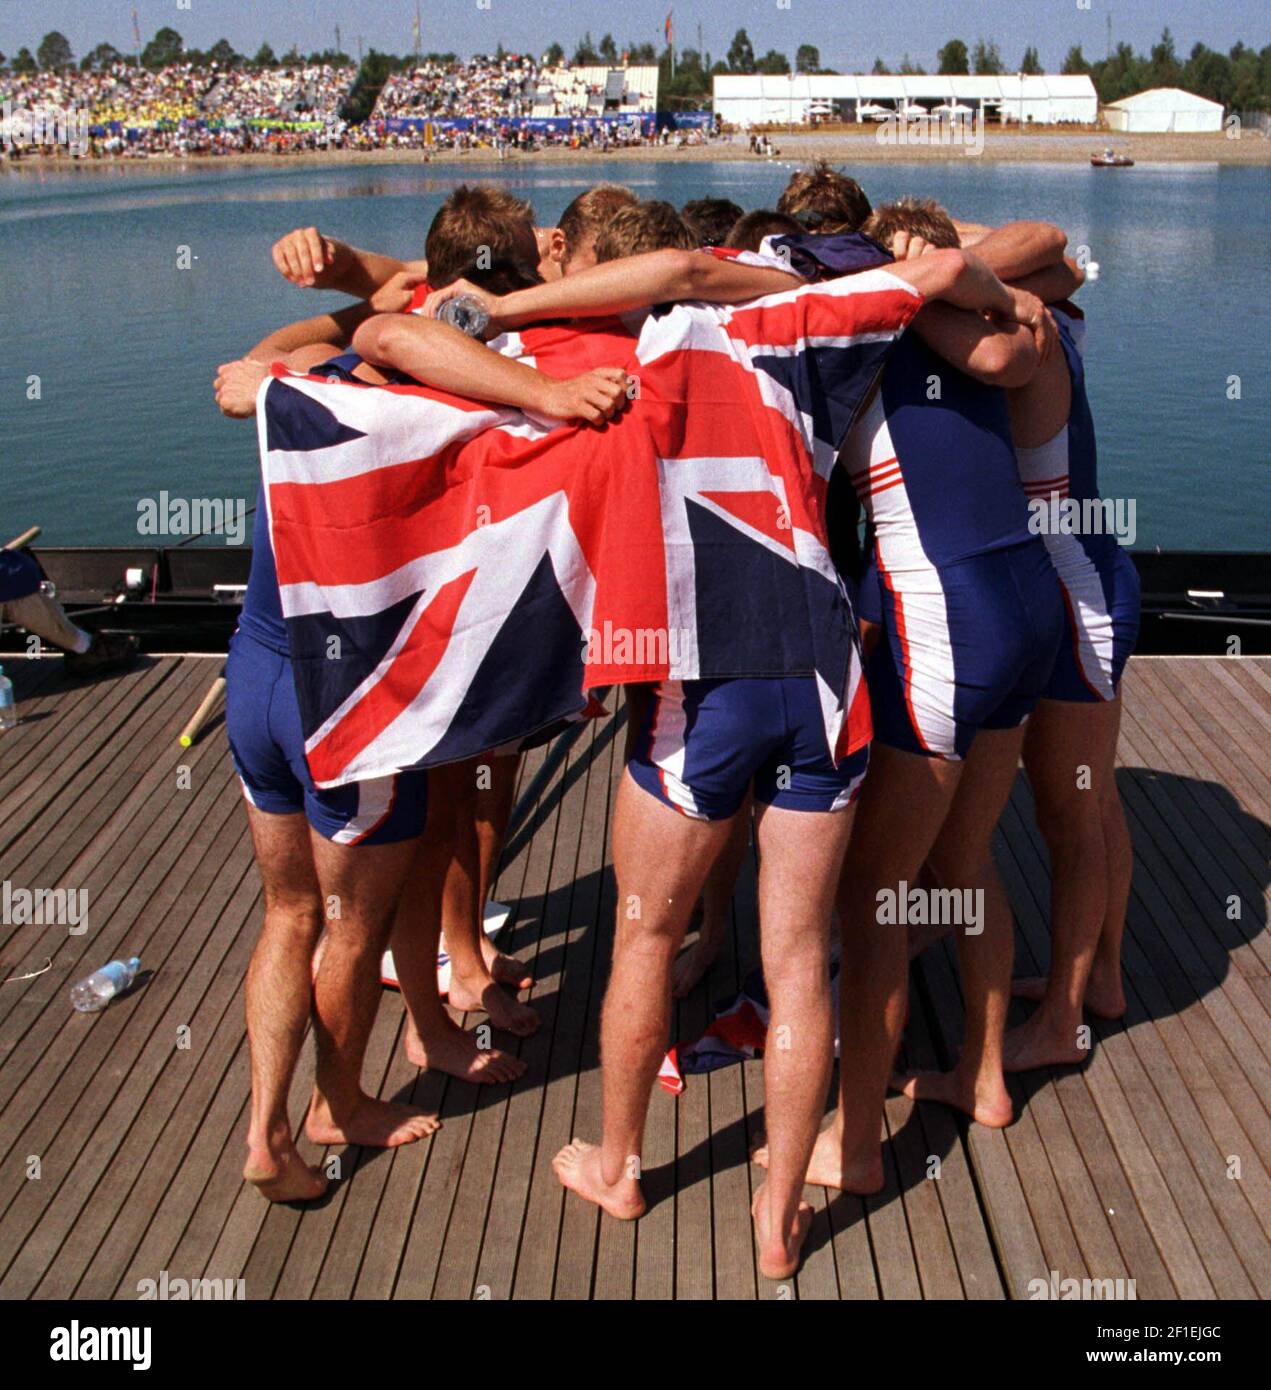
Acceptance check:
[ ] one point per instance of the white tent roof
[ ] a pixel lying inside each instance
(1165, 99)
(895, 87)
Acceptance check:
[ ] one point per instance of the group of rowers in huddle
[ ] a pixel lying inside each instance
(983, 639)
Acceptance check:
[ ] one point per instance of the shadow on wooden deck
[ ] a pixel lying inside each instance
(1149, 1163)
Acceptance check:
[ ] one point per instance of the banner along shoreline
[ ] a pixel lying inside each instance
(860, 145)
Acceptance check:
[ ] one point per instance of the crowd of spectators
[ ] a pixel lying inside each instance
(122, 92)
(480, 88)
(190, 109)
(310, 93)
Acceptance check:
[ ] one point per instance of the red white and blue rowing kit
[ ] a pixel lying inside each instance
(262, 717)
(701, 744)
(1099, 581)
(970, 607)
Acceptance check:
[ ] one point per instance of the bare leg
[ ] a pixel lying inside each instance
(493, 811)
(279, 996)
(1070, 756)
(472, 987)
(801, 854)
(717, 898)
(661, 860)
(962, 859)
(1105, 994)
(47, 619)
(366, 881)
(434, 1041)
(923, 935)
(903, 802)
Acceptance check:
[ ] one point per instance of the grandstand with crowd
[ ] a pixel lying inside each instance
(509, 101)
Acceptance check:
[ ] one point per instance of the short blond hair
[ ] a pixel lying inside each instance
(585, 218)
(922, 217)
(651, 226)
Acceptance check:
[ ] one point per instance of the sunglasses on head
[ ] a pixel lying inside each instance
(809, 219)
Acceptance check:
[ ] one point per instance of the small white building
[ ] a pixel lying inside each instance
(594, 91)
(759, 99)
(1163, 109)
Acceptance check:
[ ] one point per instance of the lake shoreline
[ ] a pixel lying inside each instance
(862, 147)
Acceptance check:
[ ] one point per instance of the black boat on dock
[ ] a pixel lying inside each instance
(187, 598)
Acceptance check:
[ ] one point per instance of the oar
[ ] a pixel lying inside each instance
(201, 715)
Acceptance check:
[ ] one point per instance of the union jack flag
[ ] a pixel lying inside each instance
(737, 1033)
(457, 577)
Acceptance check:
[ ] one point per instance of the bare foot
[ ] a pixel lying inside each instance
(281, 1175)
(377, 1124)
(578, 1168)
(456, 1053)
(1104, 998)
(505, 970)
(829, 1166)
(1039, 1043)
(993, 1108)
(481, 995)
(693, 962)
(779, 1251)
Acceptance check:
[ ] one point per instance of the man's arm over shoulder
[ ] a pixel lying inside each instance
(313, 261)
(998, 354)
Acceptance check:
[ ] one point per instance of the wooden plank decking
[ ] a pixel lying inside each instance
(1150, 1163)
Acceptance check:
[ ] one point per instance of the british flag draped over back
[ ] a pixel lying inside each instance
(456, 577)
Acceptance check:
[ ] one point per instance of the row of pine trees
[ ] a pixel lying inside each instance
(1240, 79)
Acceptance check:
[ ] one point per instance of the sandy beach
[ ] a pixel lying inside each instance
(858, 145)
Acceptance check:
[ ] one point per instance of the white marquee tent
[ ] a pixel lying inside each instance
(760, 99)
(1164, 109)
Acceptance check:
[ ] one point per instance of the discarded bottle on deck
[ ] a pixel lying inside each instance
(8, 705)
(466, 313)
(102, 985)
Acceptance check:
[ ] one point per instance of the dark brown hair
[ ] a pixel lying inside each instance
(824, 200)
(710, 219)
(750, 229)
(485, 235)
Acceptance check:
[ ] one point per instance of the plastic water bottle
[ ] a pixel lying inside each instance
(466, 313)
(8, 705)
(102, 985)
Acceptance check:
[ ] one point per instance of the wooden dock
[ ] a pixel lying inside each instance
(121, 1134)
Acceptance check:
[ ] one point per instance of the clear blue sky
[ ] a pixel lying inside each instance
(849, 33)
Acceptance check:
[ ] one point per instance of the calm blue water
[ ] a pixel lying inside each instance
(126, 345)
